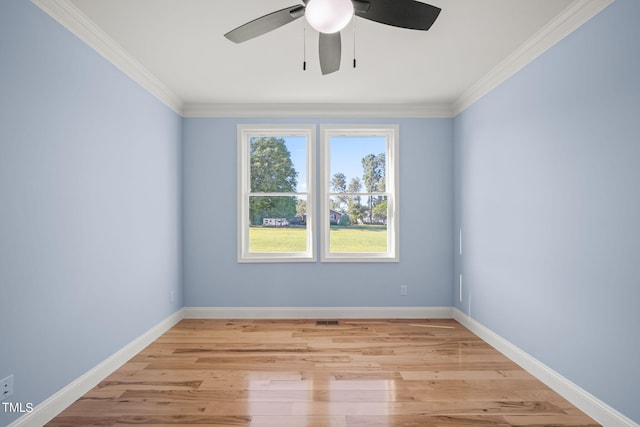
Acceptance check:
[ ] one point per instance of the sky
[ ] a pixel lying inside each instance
(346, 155)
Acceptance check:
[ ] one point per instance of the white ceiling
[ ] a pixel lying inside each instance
(178, 46)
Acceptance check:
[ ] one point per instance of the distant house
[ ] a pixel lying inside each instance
(334, 216)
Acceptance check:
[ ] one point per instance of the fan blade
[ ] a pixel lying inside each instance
(361, 5)
(265, 23)
(409, 14)
(330, 52)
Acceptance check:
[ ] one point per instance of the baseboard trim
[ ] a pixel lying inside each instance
(582, 399)
(56, 403)
(318, 312)
(592, 406)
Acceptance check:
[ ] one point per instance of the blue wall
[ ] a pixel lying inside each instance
(213, 278)
(103, 214)
(89, 206)
(546, 192)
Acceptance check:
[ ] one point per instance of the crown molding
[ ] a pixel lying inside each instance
(74, 20)
(316, 110)
(69, 16)
(576, 14)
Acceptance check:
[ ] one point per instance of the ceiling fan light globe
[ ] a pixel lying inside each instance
(329, 16)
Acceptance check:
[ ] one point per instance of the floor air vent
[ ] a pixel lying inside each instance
(327, 323)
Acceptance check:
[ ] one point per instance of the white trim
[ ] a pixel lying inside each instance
(59, 401)
(582, 399)
(317, 312)
(392, 134)
(318, 110)
(592, 406)
(74, 20)
(576, 14)
(245, 133)
(69, 16)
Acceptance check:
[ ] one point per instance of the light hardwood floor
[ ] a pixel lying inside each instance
(281, 373)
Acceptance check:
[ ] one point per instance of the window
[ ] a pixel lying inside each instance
(359, 193)
(276, 194)
(358, 197)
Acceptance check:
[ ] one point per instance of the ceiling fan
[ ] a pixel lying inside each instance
(329, 17)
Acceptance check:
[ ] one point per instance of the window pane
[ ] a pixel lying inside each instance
(358, 164)
(348, 230)
(358, 238)
(278, 164)
(278, 224)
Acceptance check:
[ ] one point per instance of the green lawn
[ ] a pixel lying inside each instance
(284, 239)
(362, 238)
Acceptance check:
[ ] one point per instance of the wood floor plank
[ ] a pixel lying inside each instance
(275, 421)
(425, 421)
(268, 373)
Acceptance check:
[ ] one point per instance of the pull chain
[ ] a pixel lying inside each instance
(304, 47)
(354, 42)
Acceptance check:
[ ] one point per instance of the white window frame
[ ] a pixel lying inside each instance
(245, 133)
(391, 132)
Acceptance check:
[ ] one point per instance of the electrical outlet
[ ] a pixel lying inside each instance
(403, 290)
(6, 387)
